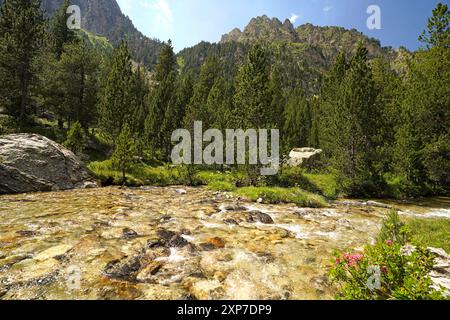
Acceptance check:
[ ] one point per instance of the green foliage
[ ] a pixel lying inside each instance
(197, 109)
(71, 84)
(422, 138)
(7, 125)
(350, 131)
(430, 232)
(297, 122)
(75, 139)
(139, 174)
(393, 229)
(402, 275)
(60, 35)
(117, 99)
(253, 95)
(282, 195)
(125, 153)
(438, 31)
(323, 184)
(161, 103)
(22, 26)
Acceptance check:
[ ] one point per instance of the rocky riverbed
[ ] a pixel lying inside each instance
(172, 243)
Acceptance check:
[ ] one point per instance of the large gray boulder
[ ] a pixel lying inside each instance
(304, 157)
(30, 162)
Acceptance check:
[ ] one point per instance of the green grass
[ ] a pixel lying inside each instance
(142, 174)
(276, 195)
(323, 184)
(139, 175)
(221, 186)
(430, 232)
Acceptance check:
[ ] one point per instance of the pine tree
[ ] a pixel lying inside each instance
(167, 62)
(78, 75)
(438, 31)
(22, 26)
(219, 104)
(327, 105)
(173, 118)
(158, 105)
(253, 95)
(423, 136)
(197, 109)
(297, 123)
(159, 101)
(352, 121)
(117, 99)
(75, 139)
(278, 103)
(60, 34)
(140, 91)
(125, 152)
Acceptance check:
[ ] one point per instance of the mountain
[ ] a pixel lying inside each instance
(330, 40)
(304, 53)
(263, 28)
(104, 18)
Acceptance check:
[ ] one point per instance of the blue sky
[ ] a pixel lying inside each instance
(188, 22)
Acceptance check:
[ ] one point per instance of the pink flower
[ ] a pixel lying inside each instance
(346, 257)
(389, 242)
(338, 261)
(356, 257)
(384, 270)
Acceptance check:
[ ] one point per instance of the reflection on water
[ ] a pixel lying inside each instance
(155, 243)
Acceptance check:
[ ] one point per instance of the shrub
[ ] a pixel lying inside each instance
(394, 229)
(75, 139)
(7, 125)
(385, 270)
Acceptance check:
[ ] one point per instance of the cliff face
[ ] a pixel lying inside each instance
(263, 28)
(104, 17)
(330, 40)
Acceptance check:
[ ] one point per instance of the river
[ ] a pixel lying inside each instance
(167, 243)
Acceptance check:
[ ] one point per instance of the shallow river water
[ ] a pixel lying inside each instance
(165, 243)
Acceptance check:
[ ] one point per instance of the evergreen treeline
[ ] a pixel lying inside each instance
(383, 133)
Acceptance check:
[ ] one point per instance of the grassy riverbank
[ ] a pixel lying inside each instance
(430, 232)
(289, 186)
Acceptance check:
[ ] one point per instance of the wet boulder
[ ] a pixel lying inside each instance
(170, 239)
(258, 216)
(213, 244)
(128, 234)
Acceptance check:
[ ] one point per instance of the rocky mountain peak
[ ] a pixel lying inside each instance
(263, 28)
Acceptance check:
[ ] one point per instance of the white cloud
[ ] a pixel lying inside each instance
(163, 12)
(327, 8)
(293, 18)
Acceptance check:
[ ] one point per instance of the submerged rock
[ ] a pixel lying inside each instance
(257, 216)
(30, 162)
(127, 234)
(170, 239)
(231, 222)
(147, 273)
(213, 244)
(53, 252)
(125, 269)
